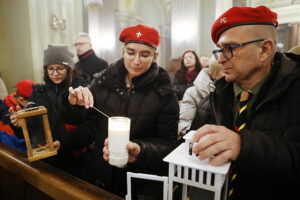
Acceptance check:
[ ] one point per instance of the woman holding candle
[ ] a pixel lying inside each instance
(133, 87)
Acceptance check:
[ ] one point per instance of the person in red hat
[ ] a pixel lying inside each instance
(137, 88)
(254, 120)
(18, 98)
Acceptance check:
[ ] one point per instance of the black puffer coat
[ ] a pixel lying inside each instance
(154, 112)
(268, 165)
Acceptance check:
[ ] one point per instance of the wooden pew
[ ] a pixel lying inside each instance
(23, 180)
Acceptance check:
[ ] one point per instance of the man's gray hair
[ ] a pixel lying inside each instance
(83, 34)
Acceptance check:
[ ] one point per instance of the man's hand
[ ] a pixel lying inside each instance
(222, 145)
(13, 116)
(133, 151)
(81, 96)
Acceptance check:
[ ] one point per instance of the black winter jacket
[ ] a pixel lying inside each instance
(268, 165)
(180, 87)
(154, 112)
(89, 64)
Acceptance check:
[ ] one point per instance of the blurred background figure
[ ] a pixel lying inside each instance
(18, 98)
(204, 61)
(173, 66)
(189, 69)
(88, 63)
(3, 89)
(203, 85)
(295, 50)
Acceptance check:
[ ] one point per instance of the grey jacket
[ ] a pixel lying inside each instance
(203, 85)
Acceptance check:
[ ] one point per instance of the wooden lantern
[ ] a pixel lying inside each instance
(46, 150)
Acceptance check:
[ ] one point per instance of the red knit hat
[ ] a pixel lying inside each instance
(238, 16)
(140, 34)
(24, 88)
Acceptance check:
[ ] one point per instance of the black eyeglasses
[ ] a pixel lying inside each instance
(58, 70)
(227, 51)
(80, 43)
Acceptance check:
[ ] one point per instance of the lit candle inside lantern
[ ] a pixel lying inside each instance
(118, 138)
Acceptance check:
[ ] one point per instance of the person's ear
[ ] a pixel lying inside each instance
(267, 49)
(155, 56)
(123, 51)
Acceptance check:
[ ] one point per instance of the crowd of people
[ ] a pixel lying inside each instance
(244, 97)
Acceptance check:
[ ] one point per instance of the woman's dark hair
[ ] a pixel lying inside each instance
(181, 73)
(71, 74)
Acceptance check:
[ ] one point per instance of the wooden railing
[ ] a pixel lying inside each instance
(23, 180)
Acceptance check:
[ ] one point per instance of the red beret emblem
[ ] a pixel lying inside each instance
(223, 20)
(138, 34)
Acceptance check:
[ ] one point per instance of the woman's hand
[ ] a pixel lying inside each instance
(81, 96)
(56, 144)
(133, 151)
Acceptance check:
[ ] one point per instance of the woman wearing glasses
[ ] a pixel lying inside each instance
(190, 67)
(137, 88)
(58, 77)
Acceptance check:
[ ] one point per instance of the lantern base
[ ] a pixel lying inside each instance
(40, 153)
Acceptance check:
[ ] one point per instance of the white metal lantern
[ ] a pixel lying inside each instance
(186, 168)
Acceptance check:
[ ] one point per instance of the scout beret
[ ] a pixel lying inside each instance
(238, 16)
(140, 34)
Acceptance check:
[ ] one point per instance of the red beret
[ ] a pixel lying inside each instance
(238, 16)
(24, 88)
(140, 34)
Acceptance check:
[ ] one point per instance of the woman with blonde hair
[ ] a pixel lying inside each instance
(203, 85)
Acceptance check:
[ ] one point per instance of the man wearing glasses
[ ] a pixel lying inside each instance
(264, 150)
(88, 63)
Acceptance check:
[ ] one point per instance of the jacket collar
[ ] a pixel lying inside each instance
(87, 54)
(282, 74)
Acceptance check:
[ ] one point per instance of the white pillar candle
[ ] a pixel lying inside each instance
(118, 138)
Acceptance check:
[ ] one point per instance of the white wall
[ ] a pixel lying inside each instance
(27, 32)
(42, 34)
